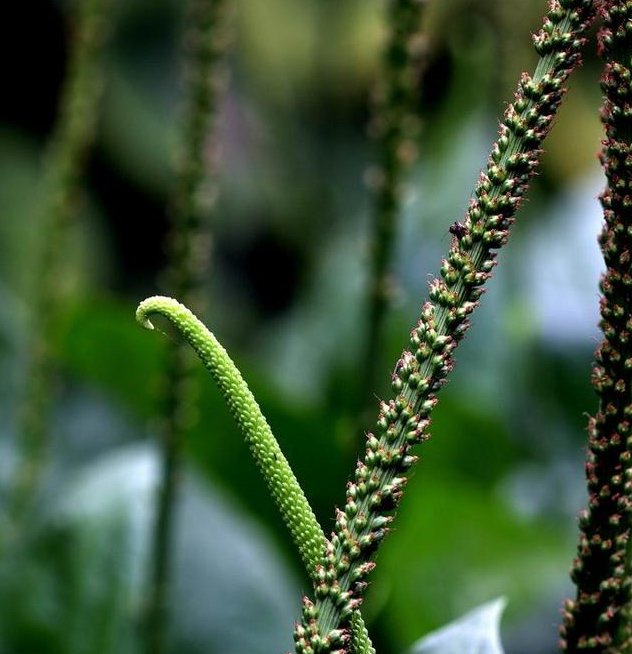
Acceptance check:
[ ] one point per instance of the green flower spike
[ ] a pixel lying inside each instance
(192, 211)
(284, 487)
(395, 126)
(378, 483)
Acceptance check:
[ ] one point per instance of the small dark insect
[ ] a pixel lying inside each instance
(458, 229)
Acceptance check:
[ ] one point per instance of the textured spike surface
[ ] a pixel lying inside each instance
(598, 620)
(403, 422)
(275, 468)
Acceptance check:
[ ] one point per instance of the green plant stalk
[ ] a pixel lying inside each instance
(599, 618)
(284, 488)
(205, 42)
(394, 127)
(403, 421)
(67, 150)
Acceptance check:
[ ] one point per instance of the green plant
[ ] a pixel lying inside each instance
(339, 566)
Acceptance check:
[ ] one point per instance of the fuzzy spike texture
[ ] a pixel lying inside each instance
(286, 492)
(403, 422)
(598, 620)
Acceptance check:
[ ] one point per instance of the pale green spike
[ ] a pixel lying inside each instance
(360, 641)
(284, 487)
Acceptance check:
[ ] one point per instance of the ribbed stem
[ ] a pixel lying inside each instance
(403, 422)
(205, 41)
(599, 619)
(72, 137)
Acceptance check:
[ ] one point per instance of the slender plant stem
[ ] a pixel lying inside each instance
(68, 147)
(600, 617)
(403, 422)
(394, 128)
(205, 37)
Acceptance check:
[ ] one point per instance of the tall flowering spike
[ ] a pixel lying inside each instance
(599, 619)
(380, 477)
(284, 487)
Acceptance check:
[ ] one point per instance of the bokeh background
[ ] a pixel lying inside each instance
(491, 508)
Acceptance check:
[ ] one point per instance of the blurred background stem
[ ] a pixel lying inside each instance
(72, 137)
(205, 41)
(394, 127)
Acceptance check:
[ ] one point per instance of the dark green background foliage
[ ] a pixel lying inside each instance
(491, 508)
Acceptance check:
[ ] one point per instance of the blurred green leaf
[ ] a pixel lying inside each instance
(455, 545)
(81, 588)
(477, 632)
(100, 340)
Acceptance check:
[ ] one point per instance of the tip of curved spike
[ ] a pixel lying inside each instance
(142, 314)
(151, 305)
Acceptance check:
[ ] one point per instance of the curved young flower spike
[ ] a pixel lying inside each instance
(284, 487)
(286, 491)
